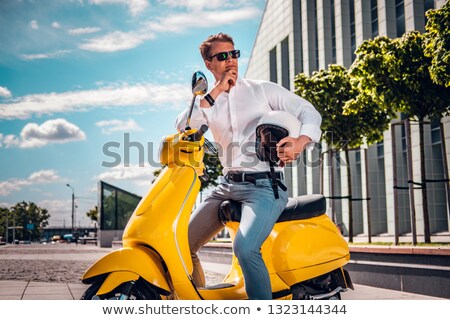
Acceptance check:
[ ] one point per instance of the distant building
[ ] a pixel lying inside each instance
(115, 209)
(301, 36)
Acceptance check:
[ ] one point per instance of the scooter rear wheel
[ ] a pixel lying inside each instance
(138, 290)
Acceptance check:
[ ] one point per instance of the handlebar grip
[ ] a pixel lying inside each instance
(199, 134)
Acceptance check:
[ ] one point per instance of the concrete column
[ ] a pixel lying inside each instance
(389, 180)
(446, 126)
(439, 3)
(386, 18)
(309, 36)
(414, 15)
(324, 32)
(363, 26)
(343, 42)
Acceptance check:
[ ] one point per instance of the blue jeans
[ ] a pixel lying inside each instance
(260, 211)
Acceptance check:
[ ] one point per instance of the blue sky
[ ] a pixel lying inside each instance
(76, 75)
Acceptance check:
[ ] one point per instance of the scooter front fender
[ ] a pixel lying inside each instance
(138, 260)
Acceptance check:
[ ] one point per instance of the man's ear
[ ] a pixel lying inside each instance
(208, 65)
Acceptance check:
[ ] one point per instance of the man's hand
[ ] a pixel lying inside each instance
(288, 149)
(228, 79)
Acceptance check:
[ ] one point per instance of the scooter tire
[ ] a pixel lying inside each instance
(140, 291)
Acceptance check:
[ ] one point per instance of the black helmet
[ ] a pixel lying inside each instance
(271, 128)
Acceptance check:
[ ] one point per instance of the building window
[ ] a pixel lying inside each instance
(316, 35)
(285, 77)
(352, 29)
(333, 33)
(273, 65)
(298, 47)
(380, 149)
(374, 17)
(400, 17)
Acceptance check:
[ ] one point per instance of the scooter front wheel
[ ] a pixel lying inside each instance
(133, 290)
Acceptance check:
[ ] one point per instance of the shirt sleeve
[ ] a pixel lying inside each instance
(197, 119)
(284, 100)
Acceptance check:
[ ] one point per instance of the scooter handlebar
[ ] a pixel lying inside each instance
(199, 134)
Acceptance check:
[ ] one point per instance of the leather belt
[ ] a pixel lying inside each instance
(241, 176)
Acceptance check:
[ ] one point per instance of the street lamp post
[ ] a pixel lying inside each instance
(73, 204)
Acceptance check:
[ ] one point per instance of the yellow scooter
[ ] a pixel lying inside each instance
(305, 252)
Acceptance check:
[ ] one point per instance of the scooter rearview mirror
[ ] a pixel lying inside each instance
(199, 83)
(199, 87)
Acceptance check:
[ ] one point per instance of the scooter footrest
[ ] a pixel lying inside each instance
(218, 286)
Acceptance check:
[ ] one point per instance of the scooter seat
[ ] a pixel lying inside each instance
(298, 208)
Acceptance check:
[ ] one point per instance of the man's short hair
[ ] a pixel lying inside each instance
(205, 47)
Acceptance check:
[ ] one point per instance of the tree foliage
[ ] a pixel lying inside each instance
(93, 214)
(438, 44)
(347, 116)
(394, 73)
(24, 215)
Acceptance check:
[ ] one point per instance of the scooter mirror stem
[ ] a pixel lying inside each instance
(188, 121)
(199, 87)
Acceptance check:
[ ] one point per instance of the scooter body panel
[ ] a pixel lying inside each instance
(161, 221)
(296, 251)
(138, 260)
(305, 243)
(114, 279)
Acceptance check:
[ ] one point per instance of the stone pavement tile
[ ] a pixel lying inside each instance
(47, 290)
(12, 290)
(15, 283)
(65, 296)
(77, 289)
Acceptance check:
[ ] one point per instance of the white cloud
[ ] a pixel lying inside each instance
(155, 95)
(181, 22)
(56, 25)
(51, 55)
(5, 205)
(110, 126)
(51, 131)
(138, 174)
(80, 31)
(117, 41)
(196, 5)
(4, 92)
(134, 6)
(43, 177)
(34, 25)
(39, 177)
(61, 212)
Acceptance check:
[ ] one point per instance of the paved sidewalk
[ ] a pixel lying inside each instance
(69, 254)
(23, 290)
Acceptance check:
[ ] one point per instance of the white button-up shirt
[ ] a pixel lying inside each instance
(234, 117)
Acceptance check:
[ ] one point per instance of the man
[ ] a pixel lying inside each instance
(231, 110)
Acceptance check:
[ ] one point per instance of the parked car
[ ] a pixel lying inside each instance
(57, 238)
(69, 238)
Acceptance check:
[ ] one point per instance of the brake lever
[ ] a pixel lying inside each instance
(210, 148)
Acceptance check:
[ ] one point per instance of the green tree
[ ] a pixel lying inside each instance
(394, 73)
(28, 214)
(437, 40)
(349, 119)
(4, 218)
(93, 214)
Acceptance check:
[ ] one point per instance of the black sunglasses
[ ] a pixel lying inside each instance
(222, 56)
